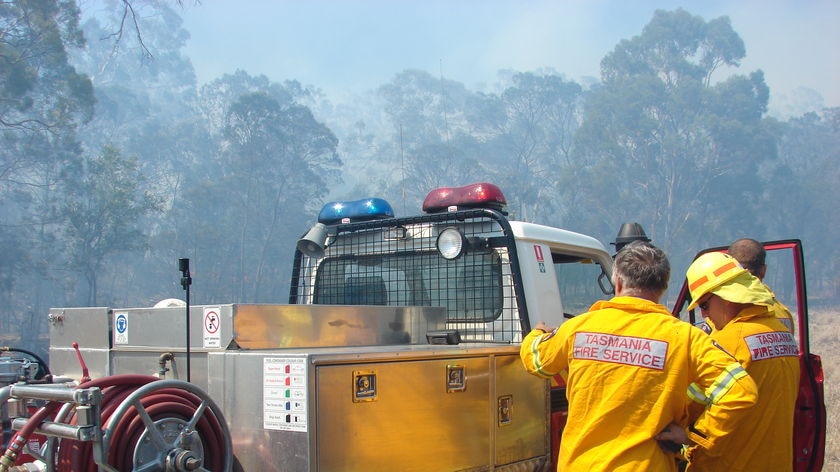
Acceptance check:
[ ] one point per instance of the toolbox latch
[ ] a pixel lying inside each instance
(456, 378)
(364, 386)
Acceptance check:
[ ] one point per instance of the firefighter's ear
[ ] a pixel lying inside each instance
(618, 284)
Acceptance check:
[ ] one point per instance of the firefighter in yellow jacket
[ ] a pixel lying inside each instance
(628, 365)
(740, 308)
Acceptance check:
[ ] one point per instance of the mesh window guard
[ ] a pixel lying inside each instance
(395, 262)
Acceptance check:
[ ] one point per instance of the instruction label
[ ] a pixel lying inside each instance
(284, 393)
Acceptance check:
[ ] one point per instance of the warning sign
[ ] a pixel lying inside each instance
(538, 253)
(212, 327)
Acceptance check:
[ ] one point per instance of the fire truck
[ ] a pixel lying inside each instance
(398, 349)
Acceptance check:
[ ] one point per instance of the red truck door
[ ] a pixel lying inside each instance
(786, 277)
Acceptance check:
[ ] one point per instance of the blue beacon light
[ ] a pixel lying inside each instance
(357, 210)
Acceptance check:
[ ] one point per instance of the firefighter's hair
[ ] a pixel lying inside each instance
(750, 254)
(643, 266)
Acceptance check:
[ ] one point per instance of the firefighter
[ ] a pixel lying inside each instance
(628, 364)
(739, 307)
(752, 256)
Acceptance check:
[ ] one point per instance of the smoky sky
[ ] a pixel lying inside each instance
(351, 46)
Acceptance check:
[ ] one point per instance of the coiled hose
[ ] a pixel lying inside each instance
(130, 409)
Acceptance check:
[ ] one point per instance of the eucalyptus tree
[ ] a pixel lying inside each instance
(520, 138)
(216, 97)
(430, 133)
(530, 141)
(245, 205)
(371, 159)
(43, 100)
(145, 107)
(140, 98)
(666, 143)
(145, 103)
(105, 207)
(39, 90)
(802, 190)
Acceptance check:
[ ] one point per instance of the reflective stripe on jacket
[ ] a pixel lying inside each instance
(628, 365)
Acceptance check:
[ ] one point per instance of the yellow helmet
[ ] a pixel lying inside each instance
(710, 271)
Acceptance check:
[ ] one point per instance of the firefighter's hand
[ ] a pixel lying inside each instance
(674, 433)
(543, 327)
(672, 438)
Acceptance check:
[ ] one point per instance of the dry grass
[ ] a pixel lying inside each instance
(825, 341)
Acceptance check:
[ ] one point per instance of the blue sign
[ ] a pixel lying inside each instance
(122, 323)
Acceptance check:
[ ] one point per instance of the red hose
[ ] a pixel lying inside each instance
(22, 437)
(166, 403)
(77, 456)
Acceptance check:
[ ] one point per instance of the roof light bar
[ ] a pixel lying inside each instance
(478, 195)
(365, 209)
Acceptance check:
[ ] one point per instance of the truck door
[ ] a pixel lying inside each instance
(786, 277)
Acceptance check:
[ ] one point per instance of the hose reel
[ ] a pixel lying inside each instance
(125, 423)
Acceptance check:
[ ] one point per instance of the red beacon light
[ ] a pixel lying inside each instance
(478, 195)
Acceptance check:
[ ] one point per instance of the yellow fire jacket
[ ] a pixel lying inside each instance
(769, 353)
(628, 365)
(781, 312)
